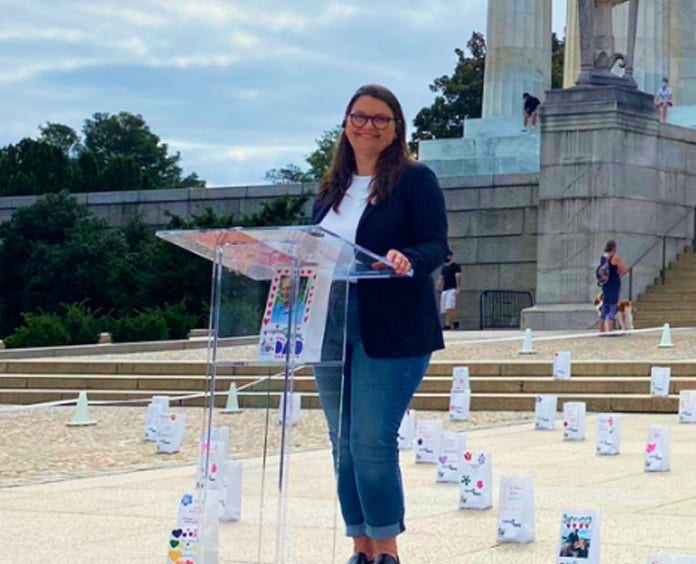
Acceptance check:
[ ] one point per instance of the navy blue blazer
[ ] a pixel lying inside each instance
(399, 317)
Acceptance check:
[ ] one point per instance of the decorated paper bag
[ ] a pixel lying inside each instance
(516, 509)
(561, 365)
(152, 413)
(608, 433)
(476, 480)
(170, 432)
(657, 457)
(574, 421)
(428, 437)
(216, 453)
(687, 406)
(659, 381)
(670, 559)
(231, 498)
(578, 540)
(460, 404)
(545, 412)
(460, 379)
(452, 446)
(158, 405)
(184, 538)
(407, 430)
(293, 404)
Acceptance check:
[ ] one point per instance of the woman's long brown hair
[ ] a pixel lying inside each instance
(390, 165)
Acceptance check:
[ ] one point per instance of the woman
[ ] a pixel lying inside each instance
(375, 195)
(663, 99)
(614, 269)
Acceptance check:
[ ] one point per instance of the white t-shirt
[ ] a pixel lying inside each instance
(344, 222)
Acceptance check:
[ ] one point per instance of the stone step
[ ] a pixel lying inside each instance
(661, 297)
(423, 401)
(516, 367)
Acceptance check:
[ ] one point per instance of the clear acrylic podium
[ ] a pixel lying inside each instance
(288, 287)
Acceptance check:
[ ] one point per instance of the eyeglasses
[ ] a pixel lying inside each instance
(379, 122)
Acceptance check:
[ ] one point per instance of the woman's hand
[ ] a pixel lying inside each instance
(401, 263)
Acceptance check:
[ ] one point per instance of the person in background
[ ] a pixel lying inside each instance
(663, 99)
(376, 195)
(530, 111)
(611, 289)
(450, 284)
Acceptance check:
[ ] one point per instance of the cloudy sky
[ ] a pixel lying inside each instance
(237, 86)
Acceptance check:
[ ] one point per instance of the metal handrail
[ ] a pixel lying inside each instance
(662, 238)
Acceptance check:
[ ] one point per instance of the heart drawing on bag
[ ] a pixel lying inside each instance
(650, 448)
(442, 459)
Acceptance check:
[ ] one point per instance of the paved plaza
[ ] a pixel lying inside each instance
(125, 517)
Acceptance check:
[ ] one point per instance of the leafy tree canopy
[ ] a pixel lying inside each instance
(457, 97)
(319, 162)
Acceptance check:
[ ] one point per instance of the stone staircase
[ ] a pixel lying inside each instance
(673, 302)
(496, 385)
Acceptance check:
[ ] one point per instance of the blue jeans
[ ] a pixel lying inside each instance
(363, 425)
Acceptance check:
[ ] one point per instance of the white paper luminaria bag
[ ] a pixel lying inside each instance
(407, 430)
(476, 480)
(687, 406)
(452, 446)
(460, 379)
(428, 437)
(574, 421)
(545, 412)
(231, 495)
(578, 540)
(608, 433)
(460, 405)
(170, 432)
(561, 365)
(659, 381)
(657, 457)
(516, 509)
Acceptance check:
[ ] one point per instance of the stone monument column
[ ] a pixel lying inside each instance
(681, 37)
(652, 54)
(571, 60)
(518, 55)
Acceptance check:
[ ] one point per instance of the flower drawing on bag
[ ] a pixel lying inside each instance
(468, 456)
(466, 480)
(650, 448)
(481, 459)
(479, 484)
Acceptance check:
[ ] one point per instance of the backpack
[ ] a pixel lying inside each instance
(602, 272)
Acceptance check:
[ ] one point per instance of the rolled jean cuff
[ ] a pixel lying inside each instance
(386, 532)
(356, 530)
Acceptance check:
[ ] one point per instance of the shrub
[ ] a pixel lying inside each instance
(178, 321)
(149, 325)
(82, 327)
(39, 330)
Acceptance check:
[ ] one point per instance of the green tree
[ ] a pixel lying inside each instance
(458, 96)
(61, 136)
(55, 251)
(32, 167)
(125, 134)
(289, 174)
(557, 56)
(319, 162)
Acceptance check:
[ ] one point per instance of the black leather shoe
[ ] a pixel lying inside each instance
(359, 558)
(386, 559)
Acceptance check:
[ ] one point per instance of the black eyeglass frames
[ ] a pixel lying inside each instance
(379, 122)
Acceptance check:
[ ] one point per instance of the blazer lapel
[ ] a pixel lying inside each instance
(367, 212)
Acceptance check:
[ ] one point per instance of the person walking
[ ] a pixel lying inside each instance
(376, 195)
(609, 273)
(450, 285)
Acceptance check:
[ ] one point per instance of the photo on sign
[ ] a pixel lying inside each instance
(576, 543)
